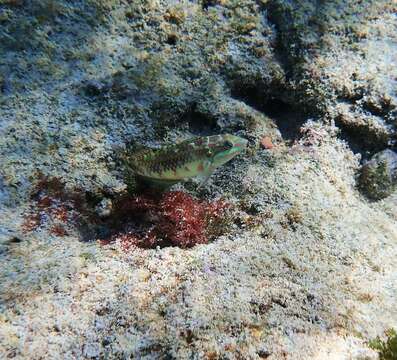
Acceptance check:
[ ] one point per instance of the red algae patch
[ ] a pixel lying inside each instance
(53, 207)
(146, 220)
(173, 219)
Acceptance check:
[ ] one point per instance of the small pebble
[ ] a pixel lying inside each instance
(91, 350)
(104, 208)
(62, 151)
(266, 143)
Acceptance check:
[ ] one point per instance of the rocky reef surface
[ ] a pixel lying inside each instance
(306, 266)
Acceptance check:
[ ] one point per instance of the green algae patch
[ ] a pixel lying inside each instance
(387, 349)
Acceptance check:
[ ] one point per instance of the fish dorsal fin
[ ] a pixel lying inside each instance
(188, 141)
(134, 146)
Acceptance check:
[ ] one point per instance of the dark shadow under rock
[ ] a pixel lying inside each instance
(200, 124)
(287, 117)
(364, 133)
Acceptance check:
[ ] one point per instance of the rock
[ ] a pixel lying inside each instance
(91, 350)
(81, 80)
(95, 87)
(378, 178)
(104, 208)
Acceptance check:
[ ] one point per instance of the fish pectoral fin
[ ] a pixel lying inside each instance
(205, 178)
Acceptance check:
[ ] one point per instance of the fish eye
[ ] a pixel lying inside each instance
(228, 144)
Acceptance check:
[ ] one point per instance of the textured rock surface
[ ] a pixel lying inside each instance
(378, 177)
(308, 269)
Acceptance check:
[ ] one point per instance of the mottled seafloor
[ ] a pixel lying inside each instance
(314, 278)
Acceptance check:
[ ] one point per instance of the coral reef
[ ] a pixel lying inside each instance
(299, 265)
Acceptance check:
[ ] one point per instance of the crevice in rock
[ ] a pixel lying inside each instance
(191, 121)
(287, 117)
(200, 124)
(382, 108)
(208, 3)
(361, 140)
(172, 39)
(285, 25)
(360, 134)
(249, 94)
(282, 54)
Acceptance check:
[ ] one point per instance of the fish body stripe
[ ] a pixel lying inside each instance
(186, 159)
(159, 161)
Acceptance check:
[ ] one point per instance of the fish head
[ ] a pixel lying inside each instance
(222, 148)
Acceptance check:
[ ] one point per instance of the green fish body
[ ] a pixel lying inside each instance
(199, 156)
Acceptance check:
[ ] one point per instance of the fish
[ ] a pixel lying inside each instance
(198, 156)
